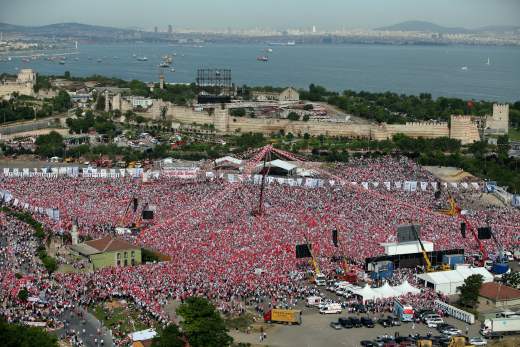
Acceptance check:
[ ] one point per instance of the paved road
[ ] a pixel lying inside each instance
(91, 325)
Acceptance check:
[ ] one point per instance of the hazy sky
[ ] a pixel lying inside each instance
(326, 14)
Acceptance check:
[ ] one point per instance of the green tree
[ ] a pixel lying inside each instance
(512, 279)
(306, 117)
(50, 145)
(202, 324)
(14, 335)
(469, 290)
(503, 146)
(169, 337)
(293, 116)
(62, 101)
(100, 102)
(23, 294)
(237, 112)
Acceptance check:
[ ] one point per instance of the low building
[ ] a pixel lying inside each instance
(108, 251)
(288, 94)
(141, 102)
(498, 295)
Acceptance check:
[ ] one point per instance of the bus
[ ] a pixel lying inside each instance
(403, 312)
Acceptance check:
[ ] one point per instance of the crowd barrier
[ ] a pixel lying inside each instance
(192, 173)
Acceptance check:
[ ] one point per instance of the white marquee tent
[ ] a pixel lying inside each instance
(405, 288)
(386, 291)
(447, 282)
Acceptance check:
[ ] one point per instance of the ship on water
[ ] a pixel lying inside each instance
(142, 59)
(264, 58)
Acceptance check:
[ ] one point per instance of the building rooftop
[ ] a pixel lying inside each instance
(109, 244)
(496, 292)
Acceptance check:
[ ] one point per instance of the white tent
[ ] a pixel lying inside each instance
(447, 282)
(386, 291)
(405, 288)
(367, 293)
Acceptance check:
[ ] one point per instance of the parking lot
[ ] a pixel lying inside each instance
(316, 331)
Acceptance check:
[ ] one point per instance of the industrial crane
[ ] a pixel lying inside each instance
(456, 211)
(428, 263)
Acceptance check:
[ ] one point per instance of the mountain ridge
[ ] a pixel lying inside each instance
(424, 26)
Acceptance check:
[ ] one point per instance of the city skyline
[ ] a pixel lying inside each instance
(205, 14)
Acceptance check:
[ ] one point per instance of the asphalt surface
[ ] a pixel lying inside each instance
(315, 331)
(87, 327)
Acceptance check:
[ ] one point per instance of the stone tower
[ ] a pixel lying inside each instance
(498, 123)
(464, 129)
(107, 101)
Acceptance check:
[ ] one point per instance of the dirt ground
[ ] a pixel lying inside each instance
(448, 173)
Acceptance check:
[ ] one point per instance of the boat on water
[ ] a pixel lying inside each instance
(62, 62)
(291, 43)
(464, 68)
(100, 60)
(263, 58)
(25, 60)
(164, 64)
(269, 50)
(142, 59)
(172, 69)
(488, 62)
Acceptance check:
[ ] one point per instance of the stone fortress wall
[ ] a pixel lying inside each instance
(462, 128)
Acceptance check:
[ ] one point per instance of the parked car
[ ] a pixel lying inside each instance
(477, 341)
(430, 316)
(451, 331)
(345, 323)
(433, 322)
(335, 325)
(384, 322)
(394, 321)
(369, 323)
(366, 343)
(356, 322)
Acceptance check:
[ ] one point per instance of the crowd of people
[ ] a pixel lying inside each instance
(219, 248)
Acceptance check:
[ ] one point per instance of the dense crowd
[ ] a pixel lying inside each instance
(220, 249)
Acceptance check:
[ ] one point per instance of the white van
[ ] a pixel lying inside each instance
(331, 308)
(320, 280)
(313, 301)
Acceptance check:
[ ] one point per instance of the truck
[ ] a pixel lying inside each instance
(498, 327)
(402, 311)
(276, 315)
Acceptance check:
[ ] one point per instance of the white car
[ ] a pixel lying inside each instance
(451, 331)
(478, 341)
(433, 322)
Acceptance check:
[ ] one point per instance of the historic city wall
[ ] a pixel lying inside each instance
(462, 128)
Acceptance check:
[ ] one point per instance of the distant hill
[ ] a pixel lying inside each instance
(435, 28)
(422, 26)
(64, 29)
